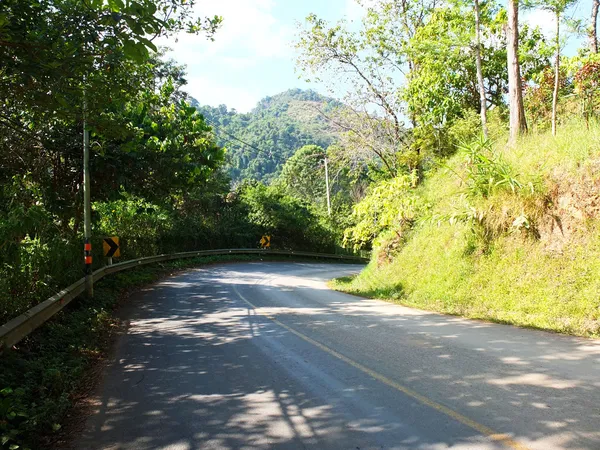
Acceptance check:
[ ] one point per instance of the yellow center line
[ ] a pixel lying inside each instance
(484, 430)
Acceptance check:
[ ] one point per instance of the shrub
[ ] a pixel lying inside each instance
(487, 171)
(587, 86)
(390, 205)
(292, 223)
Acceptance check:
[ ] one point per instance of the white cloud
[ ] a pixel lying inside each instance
(249, 37)
(353, 11)
(249, 31)
(542, 18)
(211, 92)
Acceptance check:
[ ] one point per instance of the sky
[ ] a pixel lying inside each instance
(253, 53)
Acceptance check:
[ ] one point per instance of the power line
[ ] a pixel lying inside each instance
(218, 128)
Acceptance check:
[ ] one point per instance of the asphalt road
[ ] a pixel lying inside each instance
(263, 355)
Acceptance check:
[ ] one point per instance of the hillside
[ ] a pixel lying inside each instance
(499, 233)
(259, 142)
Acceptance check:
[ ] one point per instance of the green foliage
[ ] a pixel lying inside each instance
(389, 205)
(435, 145)
(291, 223)
(499, 258)
(587, 87)
(168, 140)
(303, 175)
(487, 171)
(538, 97)
(443, 87)
(49, 47)
(259, 143)
(13, 416)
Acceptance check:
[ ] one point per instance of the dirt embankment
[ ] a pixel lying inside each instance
(574, 202)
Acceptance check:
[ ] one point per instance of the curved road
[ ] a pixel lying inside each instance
(263, 355)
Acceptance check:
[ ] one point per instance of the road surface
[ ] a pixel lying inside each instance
(263, 355)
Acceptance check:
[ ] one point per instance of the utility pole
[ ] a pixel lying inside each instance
(327, 187)
(87, 206)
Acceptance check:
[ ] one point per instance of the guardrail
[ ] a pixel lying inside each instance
(19, 327)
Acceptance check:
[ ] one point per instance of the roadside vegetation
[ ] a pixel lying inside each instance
(487, 206)
(464, 152)
(504, 234)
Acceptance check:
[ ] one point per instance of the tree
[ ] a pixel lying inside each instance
(303, 175)
(154, 146)
(389, 205)
(482, 97)
(389, 27)
(446, 83)
(371, 140)
(518, 122)
(48, 47)
(291, 222)
(353, 57)
(368, 64)
(593, 30)
(557, 7)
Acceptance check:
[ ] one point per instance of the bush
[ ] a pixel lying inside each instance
(389, 205)
(487, 171)
(291, 223)
(587, 85)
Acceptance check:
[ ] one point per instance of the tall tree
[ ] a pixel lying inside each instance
(556, 75)
(556, 7)
(518, 122)
(447, 81)
(354, 57)
(594, 26)
(482, 97)
(47, 47)
(369, 64)
(303, 175)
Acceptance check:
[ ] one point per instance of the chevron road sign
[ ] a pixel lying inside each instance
(111, 247)
(265, 242)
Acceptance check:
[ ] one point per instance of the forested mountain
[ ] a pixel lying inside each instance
(258, 143)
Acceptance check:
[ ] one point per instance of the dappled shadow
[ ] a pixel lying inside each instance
(199, 368)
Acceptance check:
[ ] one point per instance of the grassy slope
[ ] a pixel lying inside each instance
(514, 278)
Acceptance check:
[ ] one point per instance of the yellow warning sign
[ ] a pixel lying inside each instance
(111, 247)
(265, 241)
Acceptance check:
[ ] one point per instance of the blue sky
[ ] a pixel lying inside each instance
(253, 55)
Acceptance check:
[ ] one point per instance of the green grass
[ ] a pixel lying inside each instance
(516, 282)
(40, 379)
(509, 277)
(542, 154)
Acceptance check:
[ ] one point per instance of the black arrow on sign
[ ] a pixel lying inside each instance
(113, 247)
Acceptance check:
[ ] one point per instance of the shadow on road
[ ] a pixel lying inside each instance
(200, 369)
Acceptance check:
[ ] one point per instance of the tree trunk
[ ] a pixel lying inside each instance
(482, 98)
(594, 26)
(518, 123)
(556, 75)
